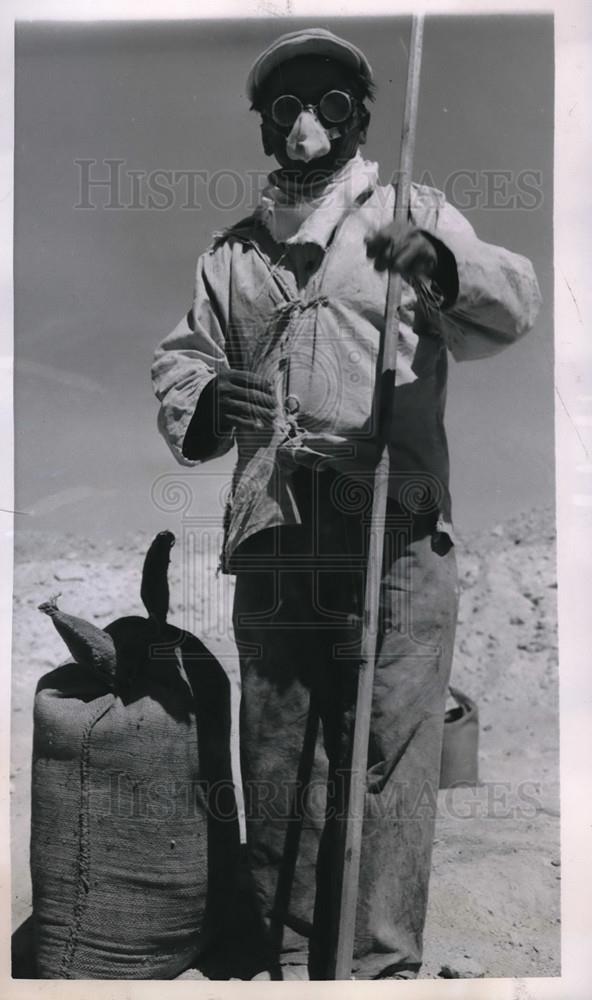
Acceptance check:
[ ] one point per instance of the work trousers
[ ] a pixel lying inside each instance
(297, 618)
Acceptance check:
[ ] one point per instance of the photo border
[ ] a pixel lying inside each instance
(573, 427)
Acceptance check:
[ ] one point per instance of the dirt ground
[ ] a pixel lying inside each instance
(495, 893)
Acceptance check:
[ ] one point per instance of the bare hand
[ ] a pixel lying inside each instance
(413, 254)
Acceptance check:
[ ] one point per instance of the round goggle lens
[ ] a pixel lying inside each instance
(335, 107)
(285, 110)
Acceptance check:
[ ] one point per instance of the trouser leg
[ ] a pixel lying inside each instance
(418, 612)
(283, 764)
(419, 603)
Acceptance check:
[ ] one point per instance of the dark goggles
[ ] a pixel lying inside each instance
(334, 107)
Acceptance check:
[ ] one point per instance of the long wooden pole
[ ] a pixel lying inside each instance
(359, 761)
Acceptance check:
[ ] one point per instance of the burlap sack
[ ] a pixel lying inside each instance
(134, 836)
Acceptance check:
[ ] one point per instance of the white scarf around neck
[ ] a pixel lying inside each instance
(312, 219)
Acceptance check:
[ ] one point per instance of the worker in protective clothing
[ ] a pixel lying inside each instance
(278, 355)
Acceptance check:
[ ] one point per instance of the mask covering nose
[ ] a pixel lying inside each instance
(308, 139)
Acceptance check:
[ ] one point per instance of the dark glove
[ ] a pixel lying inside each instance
(234, 398)
(412, 255)
(244, 399)
(415, 254)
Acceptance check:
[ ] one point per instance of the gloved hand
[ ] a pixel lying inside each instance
(243, 399)
(233, 399)
(413, 255)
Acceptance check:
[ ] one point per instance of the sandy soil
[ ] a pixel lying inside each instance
(495, 892)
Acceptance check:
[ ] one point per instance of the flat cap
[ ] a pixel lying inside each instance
(308, 41)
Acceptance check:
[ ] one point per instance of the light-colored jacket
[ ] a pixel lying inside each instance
(310, 319)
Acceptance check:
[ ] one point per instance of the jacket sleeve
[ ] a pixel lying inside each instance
(190, 357)
(497, 295)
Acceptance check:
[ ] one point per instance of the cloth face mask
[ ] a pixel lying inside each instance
(308, 140)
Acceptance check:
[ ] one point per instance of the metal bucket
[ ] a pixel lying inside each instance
(460, 745)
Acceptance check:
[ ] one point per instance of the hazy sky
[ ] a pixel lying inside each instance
(95, 290)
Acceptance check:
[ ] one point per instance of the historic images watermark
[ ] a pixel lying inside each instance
(294, 801)
(112, 184)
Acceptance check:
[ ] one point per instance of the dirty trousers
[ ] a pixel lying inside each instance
(297, 620)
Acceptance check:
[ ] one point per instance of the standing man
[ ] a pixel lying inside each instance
(278, 355)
